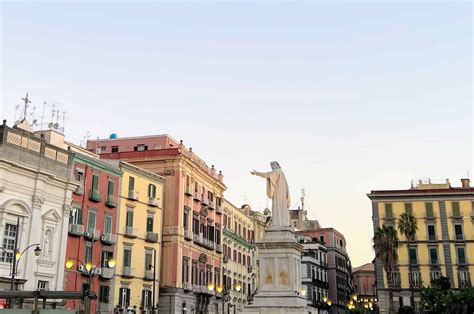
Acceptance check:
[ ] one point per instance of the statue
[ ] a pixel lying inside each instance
(278, 192)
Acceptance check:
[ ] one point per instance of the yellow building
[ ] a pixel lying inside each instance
(239, 268)
(443, 245)
(138, 250)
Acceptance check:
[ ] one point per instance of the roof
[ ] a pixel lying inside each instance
(453, 191)
(366, 267)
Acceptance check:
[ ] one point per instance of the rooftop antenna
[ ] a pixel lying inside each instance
(16, 112)
(27, 101)
(32, 117)
(302, 198)
(64, 120)
(42, 115)
(50, 124)
(85, 138)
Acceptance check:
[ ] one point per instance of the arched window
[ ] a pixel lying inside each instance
(151, 191)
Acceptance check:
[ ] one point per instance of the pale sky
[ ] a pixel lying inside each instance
(347, 96)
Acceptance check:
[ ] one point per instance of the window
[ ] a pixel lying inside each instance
(148, 260)
(395, 278)
(408, 208)
(124, 297)
(429, 210)
(115, 149)
(104, 294)
(413, 257)
(248, 261)
(110, 188)
(131, 183)
(433, 255)
(95, 182)
(149, 223)
(91, 221)
(434, 276)
(146, 299)
(127, 257)
(461, 253)
(463, 277)
(321, 239)
(195, 224)
(388, 211)
(108, 224)
(235, 256)
(88, 252)
(185, 270)
(194, 273)
(129, 218)
(140, 148)
(79, 174)
(43, 285)
(458, 231)
(431, 233)
(106, 255)
(416, 277)
(185, 218)
(151, 191)
(76, 216)
(456, 211)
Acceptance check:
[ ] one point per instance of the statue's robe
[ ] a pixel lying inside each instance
(278, 192)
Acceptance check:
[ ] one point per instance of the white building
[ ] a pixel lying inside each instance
(36, 187)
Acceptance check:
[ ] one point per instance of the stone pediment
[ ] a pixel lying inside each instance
(52, 215)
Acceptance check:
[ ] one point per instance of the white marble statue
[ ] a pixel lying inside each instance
(278, 192)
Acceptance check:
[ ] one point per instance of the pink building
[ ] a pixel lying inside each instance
(192, 219)
(364, 281)
(339, 265)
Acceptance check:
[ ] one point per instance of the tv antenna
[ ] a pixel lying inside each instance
(27, 101)
(42, 115)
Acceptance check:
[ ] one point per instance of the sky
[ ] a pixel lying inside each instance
(349, 97)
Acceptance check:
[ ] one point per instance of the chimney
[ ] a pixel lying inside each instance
(465, 183)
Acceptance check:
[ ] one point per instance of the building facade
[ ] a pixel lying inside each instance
(314, 273)
(339, 266)
(92, 231)
(239, 267)
(364, 283)
(139, 235)
(192, 215)
(35, 196)
(443, 242)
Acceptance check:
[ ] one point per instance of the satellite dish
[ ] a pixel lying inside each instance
(50, 125)
(55, 126)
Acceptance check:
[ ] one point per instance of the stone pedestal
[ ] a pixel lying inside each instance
(279, 287)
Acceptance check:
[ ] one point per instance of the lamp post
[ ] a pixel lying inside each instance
(90, 272)
(17, 255)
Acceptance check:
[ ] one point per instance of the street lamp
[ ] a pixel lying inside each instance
(15, 260)
(90, 272)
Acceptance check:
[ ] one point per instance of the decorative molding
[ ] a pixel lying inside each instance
(37, 201)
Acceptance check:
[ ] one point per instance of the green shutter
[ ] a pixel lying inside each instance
(456, 211)
(131, 183)
(429, 209)
(388, 211)
(408, 208)
(149, 224)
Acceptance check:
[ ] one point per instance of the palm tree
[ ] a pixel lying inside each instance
(408, 227)
(385, 246)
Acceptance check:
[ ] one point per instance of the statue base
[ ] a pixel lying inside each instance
(279, 289)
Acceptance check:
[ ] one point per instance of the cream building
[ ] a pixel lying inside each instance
(239, 267)
(35, 190)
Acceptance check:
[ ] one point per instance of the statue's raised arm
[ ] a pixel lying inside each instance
(279, 193)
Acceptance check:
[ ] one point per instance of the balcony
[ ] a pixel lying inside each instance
(212, 204)
(148, 275)
(218, 209)
(188, 235)
(204, 200)
(151, 237)
(198, 289)
(187, 287)
(130, 232)
(127, 272)
(94, 195)
(188, 191)
(107, 273)
(197, 197)
(80, 189)
(76, 229)
(92, 234)
(110, 201)
(249, 268)
(132, 195)
(218, 248)
(153, 202)
(108, 238)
